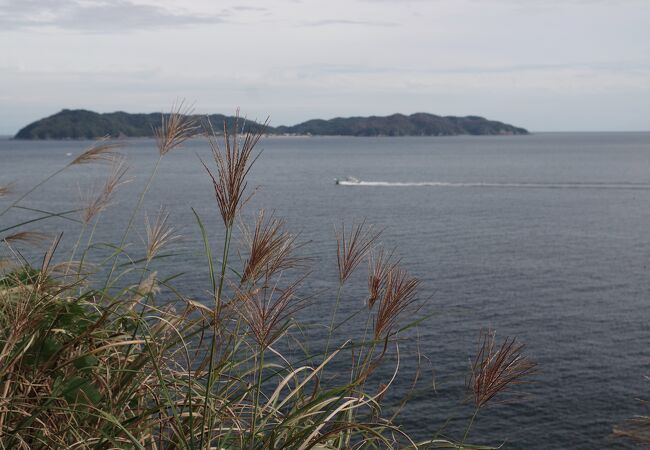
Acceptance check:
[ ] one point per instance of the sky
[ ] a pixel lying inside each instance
(547, 65)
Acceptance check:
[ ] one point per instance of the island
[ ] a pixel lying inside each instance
(84, 124)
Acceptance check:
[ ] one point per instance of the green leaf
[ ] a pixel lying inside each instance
(87, 362)
(42, 351)
(48, 347)
(80, 390)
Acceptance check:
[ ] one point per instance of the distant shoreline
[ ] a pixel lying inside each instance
(10, 137)
(80, 124)
(290, 136)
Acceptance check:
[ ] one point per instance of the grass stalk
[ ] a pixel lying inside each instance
(333, 318)
(469, 427)
(131, 220)
(213, 341)
(258, 390)
(26, 194)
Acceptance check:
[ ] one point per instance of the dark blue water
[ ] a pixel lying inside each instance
(543, 237)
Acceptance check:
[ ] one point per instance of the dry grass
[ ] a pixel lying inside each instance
(5, 190)
(96, 200)
(233, 162)
(177, 127)
(635, 429)
(134, 363)
(104, 150)
(28, 237)
(271, 249)
(497, 369)
(380, 265)
(400, 292)
(267, 310)
(159, 233)
(353, 247)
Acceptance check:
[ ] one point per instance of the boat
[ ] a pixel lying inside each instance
(347, 180)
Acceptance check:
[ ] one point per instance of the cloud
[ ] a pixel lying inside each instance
(93, 15)
(250, 8)
(313, 70)
(327, 22)
(555, 5)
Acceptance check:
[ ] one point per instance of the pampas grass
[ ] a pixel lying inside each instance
(352, 247)
(176, 127)
(399, 293)
(380, 265)
(96, 200)
(5, 190)
(233, 160)
(271, 249)
(159, 233)
(497, 369)
(103, 150)
(29, 237)
(132, 362)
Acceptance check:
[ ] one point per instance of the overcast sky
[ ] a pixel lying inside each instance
(542, 64)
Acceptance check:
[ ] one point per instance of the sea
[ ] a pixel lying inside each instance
(544, 237)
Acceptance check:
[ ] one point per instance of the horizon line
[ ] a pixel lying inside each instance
(4, 136)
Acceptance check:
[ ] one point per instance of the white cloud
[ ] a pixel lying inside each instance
(93, 15)
(326, 22)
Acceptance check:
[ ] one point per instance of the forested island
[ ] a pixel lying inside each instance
(84, 124)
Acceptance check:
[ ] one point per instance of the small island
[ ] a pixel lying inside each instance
(84, 124)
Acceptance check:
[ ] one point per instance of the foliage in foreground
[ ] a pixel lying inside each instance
(90, 357)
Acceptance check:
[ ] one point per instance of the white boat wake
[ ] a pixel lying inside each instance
(444, 184)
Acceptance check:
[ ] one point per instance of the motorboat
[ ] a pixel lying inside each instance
(347, 180)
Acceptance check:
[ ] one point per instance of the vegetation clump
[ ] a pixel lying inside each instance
(97, 351)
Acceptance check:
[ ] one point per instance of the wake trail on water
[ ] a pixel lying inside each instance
(444, 184)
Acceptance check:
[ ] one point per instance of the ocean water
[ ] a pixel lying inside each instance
(544, 237)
